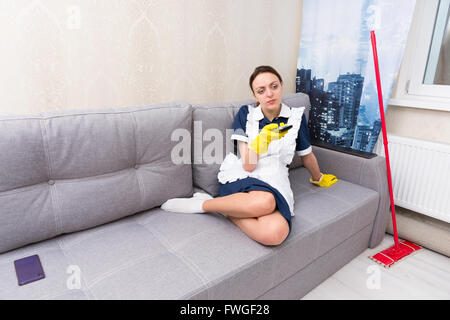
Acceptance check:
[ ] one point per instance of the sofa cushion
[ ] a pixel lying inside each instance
(71, 170)
(208, 152)
(216, 120)
(163, 255)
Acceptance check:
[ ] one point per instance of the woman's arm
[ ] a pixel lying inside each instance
(249, 157)
(317, 178)
(310, 162)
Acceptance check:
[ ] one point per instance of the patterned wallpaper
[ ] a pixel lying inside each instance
(79, 54)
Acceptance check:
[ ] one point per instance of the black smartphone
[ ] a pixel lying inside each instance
(283, 128)
(29, 269)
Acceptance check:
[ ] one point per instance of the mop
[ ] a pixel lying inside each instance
(403, 248)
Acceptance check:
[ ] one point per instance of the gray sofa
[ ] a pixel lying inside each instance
(82, 189)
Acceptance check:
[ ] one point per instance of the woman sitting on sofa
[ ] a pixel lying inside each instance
(255, 191)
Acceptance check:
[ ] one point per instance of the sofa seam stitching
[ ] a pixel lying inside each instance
(117, 269)
(141, 185)
(45, 143)
(96, 113)
(194, 268)
(69, 257)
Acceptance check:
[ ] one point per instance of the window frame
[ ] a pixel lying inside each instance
(410, 90)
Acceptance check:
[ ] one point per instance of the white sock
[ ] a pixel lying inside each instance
(186, 205)
(202, 195)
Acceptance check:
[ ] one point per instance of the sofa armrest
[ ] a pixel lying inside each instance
(369, 173)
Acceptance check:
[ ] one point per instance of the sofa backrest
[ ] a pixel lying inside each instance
(66, 171)
(211, 119)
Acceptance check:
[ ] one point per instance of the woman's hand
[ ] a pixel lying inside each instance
(325, 180)
(261, 143)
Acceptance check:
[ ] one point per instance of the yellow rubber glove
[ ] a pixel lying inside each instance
(326, 180)
(261, 143)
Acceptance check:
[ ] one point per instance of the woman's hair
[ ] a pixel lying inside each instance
(263, 69)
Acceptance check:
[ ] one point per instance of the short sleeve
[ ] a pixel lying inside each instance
(303, 139)
(239, 125)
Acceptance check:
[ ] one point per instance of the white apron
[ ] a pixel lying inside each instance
(272, 166)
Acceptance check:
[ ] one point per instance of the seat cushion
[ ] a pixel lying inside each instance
(163, 255)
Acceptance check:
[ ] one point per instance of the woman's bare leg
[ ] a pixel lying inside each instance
(242, 204)
(269, 230)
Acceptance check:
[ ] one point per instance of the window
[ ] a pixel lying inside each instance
(438, 68)
(424, 78)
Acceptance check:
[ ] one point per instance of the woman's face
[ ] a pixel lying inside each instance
(268, 91)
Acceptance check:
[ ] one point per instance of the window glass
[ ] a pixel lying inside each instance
(438, 64)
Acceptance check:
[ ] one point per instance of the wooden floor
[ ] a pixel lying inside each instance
(422, 275)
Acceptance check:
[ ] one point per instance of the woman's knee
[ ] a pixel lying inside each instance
(261, 203)
(275, 234)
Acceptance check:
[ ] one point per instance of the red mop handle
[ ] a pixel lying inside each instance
(383, 126)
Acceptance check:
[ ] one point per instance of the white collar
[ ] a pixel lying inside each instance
(259, 115)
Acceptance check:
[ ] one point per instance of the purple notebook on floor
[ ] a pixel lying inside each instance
(29, 269)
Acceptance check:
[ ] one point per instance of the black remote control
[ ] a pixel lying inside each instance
(282, 128)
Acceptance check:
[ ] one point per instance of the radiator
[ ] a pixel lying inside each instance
(420, 173)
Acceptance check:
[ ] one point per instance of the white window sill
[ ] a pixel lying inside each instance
(432, 103)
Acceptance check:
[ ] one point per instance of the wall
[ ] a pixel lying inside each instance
(61, 54)
(418, 123)
(423, 124)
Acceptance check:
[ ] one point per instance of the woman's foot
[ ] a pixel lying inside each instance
(186, 205)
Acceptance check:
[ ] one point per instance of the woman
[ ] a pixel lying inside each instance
(255, 191)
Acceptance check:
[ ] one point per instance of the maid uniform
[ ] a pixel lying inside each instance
(272, 172)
